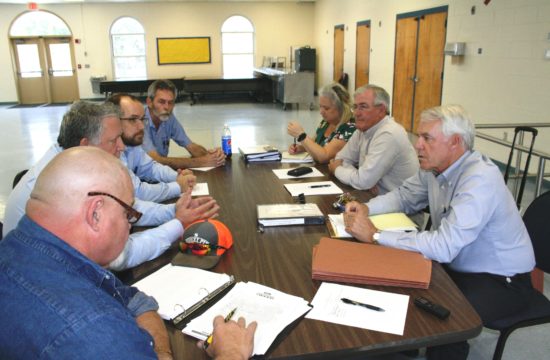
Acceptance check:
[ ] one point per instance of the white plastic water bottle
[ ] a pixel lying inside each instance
(226, 141)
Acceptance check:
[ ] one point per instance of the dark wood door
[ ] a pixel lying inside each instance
(362, 54)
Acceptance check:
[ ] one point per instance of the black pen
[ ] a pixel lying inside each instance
(318, 186)
(353, 302)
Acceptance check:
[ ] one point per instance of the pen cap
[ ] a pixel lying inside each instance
(203, 243)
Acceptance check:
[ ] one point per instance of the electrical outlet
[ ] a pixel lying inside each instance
(505, 136)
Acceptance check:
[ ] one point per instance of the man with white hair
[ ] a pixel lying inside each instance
(477, 231)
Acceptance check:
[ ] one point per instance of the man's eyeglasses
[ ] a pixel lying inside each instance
(131, 214)
(363, 107)
(134, 118)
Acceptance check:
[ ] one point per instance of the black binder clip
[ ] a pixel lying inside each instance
(301, 198)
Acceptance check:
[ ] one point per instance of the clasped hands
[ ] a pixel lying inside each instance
(357, 222)
(189, 210)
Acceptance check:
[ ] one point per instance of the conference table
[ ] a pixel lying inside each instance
(280, 257)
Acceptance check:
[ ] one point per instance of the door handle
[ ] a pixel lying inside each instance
(414, 78)
(50, 71)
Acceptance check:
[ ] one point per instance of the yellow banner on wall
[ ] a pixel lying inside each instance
(186, 50)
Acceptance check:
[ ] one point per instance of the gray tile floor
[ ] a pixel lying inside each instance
(28, 132)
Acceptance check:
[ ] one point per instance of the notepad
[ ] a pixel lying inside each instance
(385, 222)
(290, 214)
(296, 158)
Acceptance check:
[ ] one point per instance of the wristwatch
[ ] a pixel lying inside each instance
(301, 137)
(376, 237)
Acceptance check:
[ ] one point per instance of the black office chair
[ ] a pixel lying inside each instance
(538, 311)
(523, 130)
(18, 177)
(1, 229)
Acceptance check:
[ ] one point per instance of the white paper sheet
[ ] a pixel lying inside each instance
(200, 189)
(338, 225)
(282, 174)
(328, 306)
(313, 188)
(271, 309)
(204, 169)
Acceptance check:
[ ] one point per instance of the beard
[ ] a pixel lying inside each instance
(135, 140)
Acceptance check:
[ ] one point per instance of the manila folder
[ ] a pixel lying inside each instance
(360, 263)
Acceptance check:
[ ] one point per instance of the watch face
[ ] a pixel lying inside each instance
(376, 236)
(302, 136)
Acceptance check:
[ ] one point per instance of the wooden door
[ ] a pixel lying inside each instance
(362, 53)
(61, 70)
(30, 66)
(338, 52)
(418, 68)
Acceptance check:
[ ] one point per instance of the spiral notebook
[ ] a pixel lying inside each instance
(180, 290)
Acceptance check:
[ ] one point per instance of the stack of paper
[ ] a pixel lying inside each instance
(260, 153)
(181, 290)
(296, 158)
(271, 309)
(290, 214)
(386, 222)
(352, 262)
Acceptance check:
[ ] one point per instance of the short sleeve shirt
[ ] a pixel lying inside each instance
(343, 132)
(159, 139)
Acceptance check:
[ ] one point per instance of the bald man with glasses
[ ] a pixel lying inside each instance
(56, 299)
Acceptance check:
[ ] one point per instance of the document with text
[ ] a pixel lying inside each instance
(273, 310)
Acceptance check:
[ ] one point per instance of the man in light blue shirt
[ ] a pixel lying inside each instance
(162, 126)
(168, 183)
(88, 124)
(477, 230)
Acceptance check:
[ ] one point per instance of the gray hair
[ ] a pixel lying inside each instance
(454, 120)
(84, 120)
(161, 85)
(381, 96)
(340, 98)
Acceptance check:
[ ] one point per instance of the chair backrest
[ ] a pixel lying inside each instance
(537, 221)
(520, 130)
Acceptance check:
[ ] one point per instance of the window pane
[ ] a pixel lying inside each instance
(29, 61)
(127, 25)
(237, 24)
(61, 60)
(237, 43)
(237, 66)
(128, 45)
(35, 23)
(132, 67)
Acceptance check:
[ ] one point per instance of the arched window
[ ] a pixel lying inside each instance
(39, 23)
(237, 47)
(128, 44)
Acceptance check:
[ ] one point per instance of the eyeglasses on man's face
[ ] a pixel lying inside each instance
(131, 214)
(134, 119)
(363, 107)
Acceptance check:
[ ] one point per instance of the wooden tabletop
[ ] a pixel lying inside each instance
(280, 257)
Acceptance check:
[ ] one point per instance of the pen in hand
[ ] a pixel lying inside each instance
(318, 186)
(353, 302)
(208, 341)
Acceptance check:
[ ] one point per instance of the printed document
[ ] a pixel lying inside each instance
(273, 310)
(328, 306)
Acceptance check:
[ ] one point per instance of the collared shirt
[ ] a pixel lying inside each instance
(382, 156)
(57, 304)
(140, 247)
(159, 139)
(476, 226)
(142, 167)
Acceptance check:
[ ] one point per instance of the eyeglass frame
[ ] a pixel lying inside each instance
(132, 215)
(133, 119)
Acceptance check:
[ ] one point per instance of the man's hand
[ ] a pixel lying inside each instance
(231, 340)
(214, 157)
(186, 180)
(294, 129)
(189, 210)
(358, 224)
(333, 164)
